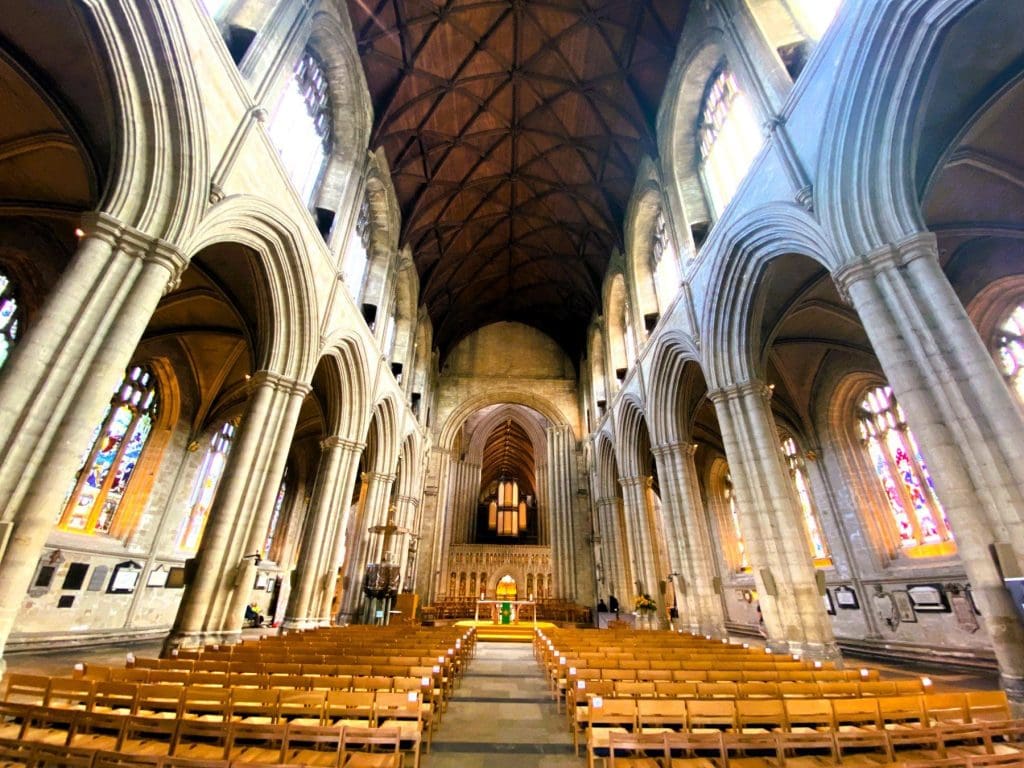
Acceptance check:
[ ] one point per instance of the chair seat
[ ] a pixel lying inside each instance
(374, 760)
(599, 736)
(409, 728)
(693, 762)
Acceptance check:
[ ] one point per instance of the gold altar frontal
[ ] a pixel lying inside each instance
(505, 633)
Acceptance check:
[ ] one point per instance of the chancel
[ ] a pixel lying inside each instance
(611, 328)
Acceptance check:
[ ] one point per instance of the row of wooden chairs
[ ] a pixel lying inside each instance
(290, 747)
(169, 701)
(605, 714)
(577, 691)
(200, 735)
(994, 744)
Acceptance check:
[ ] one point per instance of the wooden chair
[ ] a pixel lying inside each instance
(738, 748)
(695, 750)
(57, 756)
(70, 693)
(255, 705)
(159, 700)
(371, 747)
(877, 688)
(901, 712)
(808, 749)
(856, 714)
(607, 716)
(202, 702)
(401, 710)
(151, 736)
(302, 707)
(862, 748)
(757, 691)
(349, 708)
(760, 715)
(98, 730)
(910, 744)
(637, 750)
(26, 689)
(115, 697)
(945, 708)
(988, 705)
(635, 689)
(704, 715)
(313, 745)
(253, 742)
(809, 715)
(661, 715)
(201, 740)
(46, 725)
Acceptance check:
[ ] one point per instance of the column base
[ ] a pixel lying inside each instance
(179, 640)
(1014, 687)
(815, 651)
(299, 624)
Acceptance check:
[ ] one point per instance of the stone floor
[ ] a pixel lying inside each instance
(502, 716)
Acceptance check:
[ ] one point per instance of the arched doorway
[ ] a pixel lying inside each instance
(506, 589)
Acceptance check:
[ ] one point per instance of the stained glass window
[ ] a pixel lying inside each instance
(205, 489)
(812, 524)
(10, 318)
(815, 16)
(742, 562)
(729, 138)
(919, 519)
(664, 263)
(356, 256)
(114, 451)
(1011, 350)
(275, 519)
(301, 127)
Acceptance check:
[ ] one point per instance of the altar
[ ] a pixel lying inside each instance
(507, 611)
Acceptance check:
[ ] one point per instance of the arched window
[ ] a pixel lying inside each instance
(10, 318)
(729, 138)
(113, 453)
(357, 253)
(917, 516)
(1011, 350)
(301, 127)
(731, 535)
(205, 489)
(275, 520)
(812, 523)
(664, 263)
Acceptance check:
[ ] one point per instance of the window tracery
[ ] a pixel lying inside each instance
(275, 520)
(211, 471)
(812, 523)
(1010, 352)
(109, 462)
(10, 318)
(729, 138)
(917, 515)
(302, 127)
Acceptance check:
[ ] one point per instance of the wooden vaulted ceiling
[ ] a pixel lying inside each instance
(514, 129)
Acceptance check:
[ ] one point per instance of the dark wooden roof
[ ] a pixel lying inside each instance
(514, 129)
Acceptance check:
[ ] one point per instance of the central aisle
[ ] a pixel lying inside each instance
(502, 716)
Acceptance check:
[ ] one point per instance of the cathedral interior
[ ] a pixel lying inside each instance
(696, 323)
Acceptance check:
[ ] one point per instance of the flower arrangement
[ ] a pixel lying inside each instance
(644, 603)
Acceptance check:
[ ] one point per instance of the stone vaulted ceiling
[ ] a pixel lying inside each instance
(514, 129)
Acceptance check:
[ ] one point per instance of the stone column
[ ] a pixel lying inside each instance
(690, 543)
(440, 539)
(615, 576)
(561, 495)
(640, 540)
(964, 417)
(405, 518)
(772, 520)
(61, 376)
(317, 549)
(334, 545)
(213, 607)
(368, 547)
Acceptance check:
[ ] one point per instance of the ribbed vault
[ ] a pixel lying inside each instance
(513, 130)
